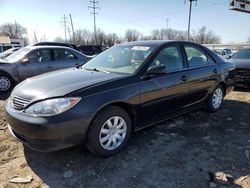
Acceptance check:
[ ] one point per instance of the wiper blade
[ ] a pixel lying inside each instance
(97, 70)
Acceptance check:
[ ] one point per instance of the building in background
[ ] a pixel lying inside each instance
(7, 43)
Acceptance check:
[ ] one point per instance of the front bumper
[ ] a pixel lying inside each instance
(47, 133)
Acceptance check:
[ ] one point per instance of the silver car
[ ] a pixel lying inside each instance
(33, 60)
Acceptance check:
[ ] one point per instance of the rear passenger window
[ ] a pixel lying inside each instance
(196, 57)
(170, 57)
(61, 54)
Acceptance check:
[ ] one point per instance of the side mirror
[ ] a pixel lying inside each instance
(25, 61)
(156, 70)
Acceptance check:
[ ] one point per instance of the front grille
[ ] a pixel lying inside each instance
(243, 75)
(243, 72)
(19, 103)
(43, 144)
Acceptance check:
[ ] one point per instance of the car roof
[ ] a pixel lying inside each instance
(49, 46)
(156, 42)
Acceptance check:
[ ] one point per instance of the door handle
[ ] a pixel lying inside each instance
(49, 67)
(215, 71)
(184, 78)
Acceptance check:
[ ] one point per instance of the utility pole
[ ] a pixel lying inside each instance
(72, 26)
(167, 21)
(35, 37)
(65, 25)
(94, 8)
(189, 18)
(69, 33)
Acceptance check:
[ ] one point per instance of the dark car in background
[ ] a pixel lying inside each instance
(33, 60)
(242, 62)
(91, 49)
(124, 89)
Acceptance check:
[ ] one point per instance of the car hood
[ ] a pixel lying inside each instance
(241, 63)
(4, 61)
(60, 83)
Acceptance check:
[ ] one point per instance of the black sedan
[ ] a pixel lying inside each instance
(124, 89)
(242, 63)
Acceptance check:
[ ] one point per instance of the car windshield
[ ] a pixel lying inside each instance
(125, 59)
(18, 54)
(242, 54)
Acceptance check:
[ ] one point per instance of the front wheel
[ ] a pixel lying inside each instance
(216, 99)
(6, 83)
(109, 131)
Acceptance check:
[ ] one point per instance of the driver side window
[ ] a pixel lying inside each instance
(40, 56)
(170, 57)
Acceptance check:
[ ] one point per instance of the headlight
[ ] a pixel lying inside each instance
(52, 107)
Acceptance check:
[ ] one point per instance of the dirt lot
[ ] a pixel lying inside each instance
(183, 152)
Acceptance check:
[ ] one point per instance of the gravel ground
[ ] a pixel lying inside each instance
(183, 152)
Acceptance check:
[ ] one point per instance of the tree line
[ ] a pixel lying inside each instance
(83, 36)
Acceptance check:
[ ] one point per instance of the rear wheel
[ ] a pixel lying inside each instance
(109, 131)
(6, 83)
(216, 99)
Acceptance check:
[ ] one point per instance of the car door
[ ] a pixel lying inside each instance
(64, 58)
(36, 62)
(162, 95)
(203, 72)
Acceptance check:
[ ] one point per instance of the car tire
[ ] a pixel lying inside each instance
(109, 132)
(6, 83)
(215, 101)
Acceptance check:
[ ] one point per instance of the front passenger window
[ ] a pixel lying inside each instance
(40, 56)
(170, 57)
(61, 54)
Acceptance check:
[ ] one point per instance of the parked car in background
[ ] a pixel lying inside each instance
(241, 59)
(8, 52)
(34, 60)
(223, 53)
(91, 49)
(57, 44)
(124, 89)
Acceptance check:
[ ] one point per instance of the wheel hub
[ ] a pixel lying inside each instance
(4, 84)
(113, 133)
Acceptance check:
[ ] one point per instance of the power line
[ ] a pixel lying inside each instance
(93, 6)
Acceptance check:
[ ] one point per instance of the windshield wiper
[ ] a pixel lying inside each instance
(97, 70)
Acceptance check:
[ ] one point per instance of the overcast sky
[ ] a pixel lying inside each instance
(44, 16)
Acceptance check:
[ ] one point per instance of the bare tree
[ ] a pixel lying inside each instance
(83, 37)
(59, 39)
(132, 35)
(156, 34)
(13, 30)
(111, 39)
(100, 37)
(203, 36)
